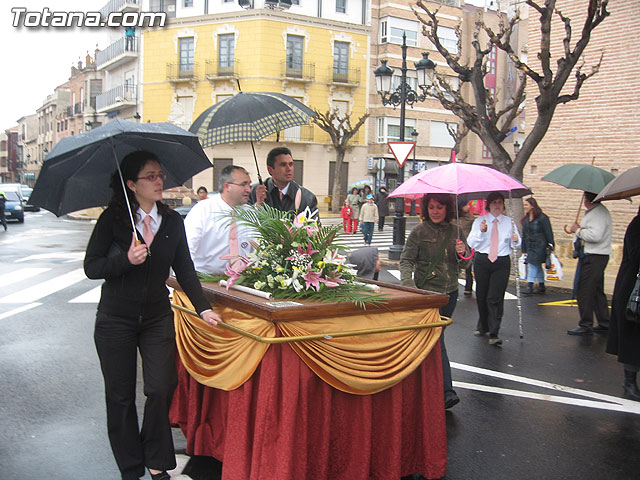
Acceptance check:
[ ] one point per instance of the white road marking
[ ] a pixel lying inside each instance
(20, 274)
(17, 310)
(43, 289)
(395, 273)
(92, 296)
(70, 256)
(607, 402)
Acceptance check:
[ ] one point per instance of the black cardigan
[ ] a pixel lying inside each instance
(140, 291)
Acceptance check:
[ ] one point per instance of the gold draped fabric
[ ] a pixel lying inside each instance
(362, 364)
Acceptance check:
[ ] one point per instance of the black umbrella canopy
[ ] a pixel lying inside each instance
(249, 117)
(77, 172)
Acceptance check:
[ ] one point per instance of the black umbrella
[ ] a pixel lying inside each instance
(249, 117)
(76, 174)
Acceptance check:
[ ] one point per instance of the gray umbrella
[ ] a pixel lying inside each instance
(249, 117)
(625, 185)
(76, 174)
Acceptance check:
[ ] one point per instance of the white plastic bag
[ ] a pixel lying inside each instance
(522, 267)
(554, 273)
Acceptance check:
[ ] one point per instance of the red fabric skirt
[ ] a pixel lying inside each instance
(285, 423)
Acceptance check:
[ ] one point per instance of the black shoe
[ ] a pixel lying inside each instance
(630, 387)
(467, 293)
(601, 329)
(450, 400)
(160, 476)
(529, 290)
(541, 290)
(580, 331)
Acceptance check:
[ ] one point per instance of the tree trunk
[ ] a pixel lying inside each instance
(338, 188)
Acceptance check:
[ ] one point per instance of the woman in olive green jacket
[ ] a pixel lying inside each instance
(431, 260)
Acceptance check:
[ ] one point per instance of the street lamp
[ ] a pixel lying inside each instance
(403, 95)
(413, 171)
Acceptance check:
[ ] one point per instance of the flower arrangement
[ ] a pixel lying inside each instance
(296, 258)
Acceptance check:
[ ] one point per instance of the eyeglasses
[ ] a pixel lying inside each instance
(243, 184)
(154, 176)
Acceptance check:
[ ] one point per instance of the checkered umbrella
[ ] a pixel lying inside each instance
(249, 117)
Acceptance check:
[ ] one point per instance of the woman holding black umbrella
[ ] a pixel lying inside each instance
(134, 313)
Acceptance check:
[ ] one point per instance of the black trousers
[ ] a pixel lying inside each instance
(468, 276)
(447, 311)
(591, 297)
(491, 284)
(118, 340)
(380, 223)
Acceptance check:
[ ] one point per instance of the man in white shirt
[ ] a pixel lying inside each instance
(208, 223)
(595, 230)
(493, 238)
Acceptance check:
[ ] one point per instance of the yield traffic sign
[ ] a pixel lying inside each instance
(401, 150)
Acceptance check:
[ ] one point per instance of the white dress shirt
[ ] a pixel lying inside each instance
(207, 228)
(481, 241)
(155, 220)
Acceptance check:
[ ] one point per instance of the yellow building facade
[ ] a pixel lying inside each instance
(193, 63)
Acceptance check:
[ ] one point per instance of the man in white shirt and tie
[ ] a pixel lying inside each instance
(493, 238)
(209, 229)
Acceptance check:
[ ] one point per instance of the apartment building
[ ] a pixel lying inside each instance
(48, 113)
(195, 62)
(84, 86)
(117, 96)
(28, 146)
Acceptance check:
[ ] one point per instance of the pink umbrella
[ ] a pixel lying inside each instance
(460, 178)
(470, 181)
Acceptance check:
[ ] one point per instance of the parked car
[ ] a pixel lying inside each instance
(13, 209)
(26, 193)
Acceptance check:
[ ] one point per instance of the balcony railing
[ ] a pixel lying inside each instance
(118, 96)
(77, 108)
(69, 111)
(180, 72)
(344, 75)
(212, 69)
(304, 71)
(117, 5)
(119, 48)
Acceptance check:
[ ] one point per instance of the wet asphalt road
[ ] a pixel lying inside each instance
(546, 406)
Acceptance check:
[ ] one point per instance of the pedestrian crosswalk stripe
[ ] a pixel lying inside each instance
(92, 296)
(20, 275)
(46, 288)
(70, 256)
(17, 310)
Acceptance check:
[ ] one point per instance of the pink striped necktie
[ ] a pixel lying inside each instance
(495, 238)
(147, 233)
(234, 248)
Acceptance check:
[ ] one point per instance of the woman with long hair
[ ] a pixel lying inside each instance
(537, 239)
(134, 314)
(431, 259)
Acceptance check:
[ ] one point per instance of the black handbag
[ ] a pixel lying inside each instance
(632, 312)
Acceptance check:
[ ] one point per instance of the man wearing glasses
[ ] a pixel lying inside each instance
(211, 235)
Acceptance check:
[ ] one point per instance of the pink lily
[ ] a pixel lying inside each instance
(312, 279)
(332, 281)
(310, 250)
(234, 275)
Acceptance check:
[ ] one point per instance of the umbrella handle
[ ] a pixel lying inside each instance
(567, 231)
